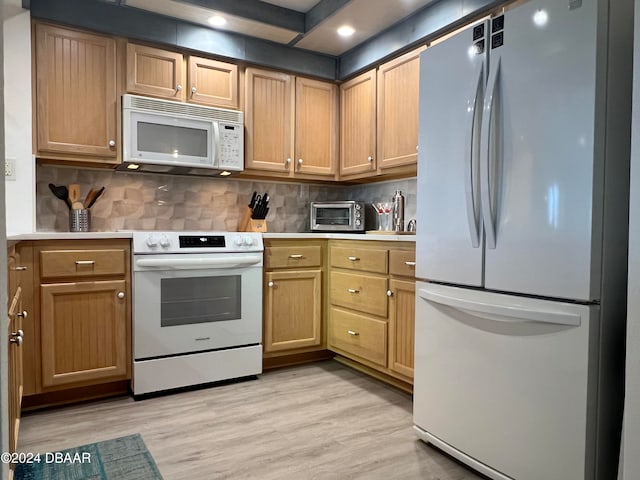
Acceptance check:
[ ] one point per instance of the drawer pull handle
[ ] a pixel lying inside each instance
(85, 262)
(410, 264)
(19, 269)
(353, 290)
(353, 332)
(353, 259)
(296, 256)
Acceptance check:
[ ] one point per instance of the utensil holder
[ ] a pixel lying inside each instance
(79, 220)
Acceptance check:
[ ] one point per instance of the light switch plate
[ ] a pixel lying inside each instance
(9, 168)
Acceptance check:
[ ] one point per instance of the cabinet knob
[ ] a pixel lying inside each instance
(370, 158)
(112, 143)
(389, 293)
(353, 333)
(17, 340)
(270, 284)
(19, 333)
(179, 88)
(287, 162)
(120, 294)
(23, 314)
(300, 161)
(194, 89)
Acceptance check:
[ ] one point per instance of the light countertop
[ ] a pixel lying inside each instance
(128, 234)
(67, 235)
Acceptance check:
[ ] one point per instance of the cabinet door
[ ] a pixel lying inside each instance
(316, 127)
(156, 72)
(75, 92)
(398, 84)
(268, 120)
(401, 326)
(15, 367)
(358, 125)
(83, 332)
(213, 83)
(293, 310)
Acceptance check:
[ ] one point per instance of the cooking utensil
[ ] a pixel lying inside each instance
(74, 196)
(96, 197)
(90, 194)
(61, 192)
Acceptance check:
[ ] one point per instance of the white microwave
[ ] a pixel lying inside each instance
(164, 136)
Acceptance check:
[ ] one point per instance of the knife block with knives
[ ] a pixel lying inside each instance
(253, 216)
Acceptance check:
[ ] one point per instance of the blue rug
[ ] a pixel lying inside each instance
(124, 458)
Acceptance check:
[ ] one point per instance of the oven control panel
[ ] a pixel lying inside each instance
(196, 242)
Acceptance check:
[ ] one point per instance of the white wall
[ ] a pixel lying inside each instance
(4, 319)
(630, 458)
(20, 194)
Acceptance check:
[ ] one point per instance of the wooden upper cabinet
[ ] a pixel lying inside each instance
(398, 86)
(316, 127)
(269, 99)
(76, 98)
(213, 83)
(155, 72)
(358, 125)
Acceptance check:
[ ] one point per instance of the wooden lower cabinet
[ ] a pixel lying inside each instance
(294, 302)
(77, 335)
(83, 328)
(293, 314)
(371, 313)
(402, 307)
(15, 383)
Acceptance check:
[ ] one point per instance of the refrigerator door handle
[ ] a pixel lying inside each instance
(486, 160)
(472, 216)
(502, 313)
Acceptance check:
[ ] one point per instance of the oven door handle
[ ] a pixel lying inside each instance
(197, 263)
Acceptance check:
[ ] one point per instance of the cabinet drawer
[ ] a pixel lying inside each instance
(361, 259)
(402, 262)
(359, 335)
(82, 263)
(290, 256)
(364, 293)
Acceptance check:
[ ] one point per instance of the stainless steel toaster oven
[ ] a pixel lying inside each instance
(346, 216)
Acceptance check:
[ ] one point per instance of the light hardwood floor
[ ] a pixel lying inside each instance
(317, 421)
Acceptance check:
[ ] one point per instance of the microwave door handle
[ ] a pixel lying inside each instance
(216, 144)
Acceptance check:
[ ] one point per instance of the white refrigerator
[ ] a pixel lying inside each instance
(522, 210)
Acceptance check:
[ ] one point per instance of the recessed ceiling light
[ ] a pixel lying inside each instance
(346, 31)
(217, 21)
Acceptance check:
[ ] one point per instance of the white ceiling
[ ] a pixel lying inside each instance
(368, 17)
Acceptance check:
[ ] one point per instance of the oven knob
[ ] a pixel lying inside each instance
(248, 241)
(152, 241)
(164, 241)
(238, 241)
(358, 222)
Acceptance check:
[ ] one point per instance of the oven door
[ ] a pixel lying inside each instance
(188, 303)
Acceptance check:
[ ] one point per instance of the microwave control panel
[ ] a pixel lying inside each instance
(231, 147)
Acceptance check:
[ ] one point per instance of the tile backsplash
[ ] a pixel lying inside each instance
(135, 201)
